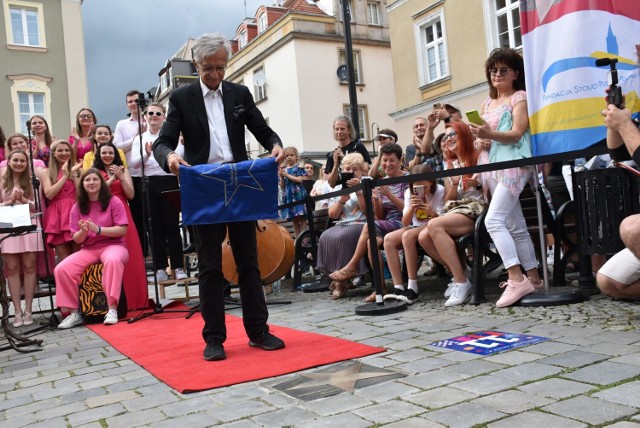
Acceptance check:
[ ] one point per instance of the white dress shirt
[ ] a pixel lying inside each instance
(151, 166)
(126, 131)
(219, 144)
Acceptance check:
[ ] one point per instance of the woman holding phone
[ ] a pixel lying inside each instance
(504, 221)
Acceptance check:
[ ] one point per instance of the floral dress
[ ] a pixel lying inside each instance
(293, 192)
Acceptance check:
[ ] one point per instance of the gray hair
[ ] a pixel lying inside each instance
(208, 44)
(347, 120)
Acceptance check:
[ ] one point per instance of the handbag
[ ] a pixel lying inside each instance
(501, 152)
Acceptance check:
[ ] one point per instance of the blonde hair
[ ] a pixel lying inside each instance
(54, 168)
(353, 159)
(292, 149)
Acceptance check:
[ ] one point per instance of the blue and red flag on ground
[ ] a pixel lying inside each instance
(221, 193)
(565, 89)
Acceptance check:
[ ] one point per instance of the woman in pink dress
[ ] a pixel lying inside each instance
(80, 138)
(20, 252)
(60, 183)
(42, 140)
(110, 165)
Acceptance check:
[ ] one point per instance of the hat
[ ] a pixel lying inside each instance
(387, 133)
(451, 106)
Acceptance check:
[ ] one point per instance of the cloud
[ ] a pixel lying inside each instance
(128, 41)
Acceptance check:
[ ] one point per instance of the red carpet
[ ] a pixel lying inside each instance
(170, 347)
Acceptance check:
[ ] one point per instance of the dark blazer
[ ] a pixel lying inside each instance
(188, 114)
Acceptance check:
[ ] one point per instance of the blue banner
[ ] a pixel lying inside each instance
(230, 192)
(489, 342)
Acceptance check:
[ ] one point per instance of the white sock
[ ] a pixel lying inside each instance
(413, 285)
(399, 287)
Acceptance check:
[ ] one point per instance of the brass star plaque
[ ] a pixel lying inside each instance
(333, 380)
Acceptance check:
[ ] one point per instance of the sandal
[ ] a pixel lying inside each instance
(27, 319)
(343, 275)
(371, 298)
(341, 288)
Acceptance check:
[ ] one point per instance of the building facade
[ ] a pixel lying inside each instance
(439, 48)
(43, 63)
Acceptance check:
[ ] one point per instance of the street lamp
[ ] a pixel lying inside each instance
(351, 81)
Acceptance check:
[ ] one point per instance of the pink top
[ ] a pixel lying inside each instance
(37, 163)
(492, 113)
(114, 215)
(2, 156)
(82, 148)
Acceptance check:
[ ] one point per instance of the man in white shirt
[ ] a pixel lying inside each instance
(126, 131)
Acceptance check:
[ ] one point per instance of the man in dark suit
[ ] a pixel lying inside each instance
(212, 114)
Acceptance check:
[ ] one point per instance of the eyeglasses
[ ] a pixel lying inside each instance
(85, 116)
(503, 71)
(208, 69)
(155, 113)
(450, 136)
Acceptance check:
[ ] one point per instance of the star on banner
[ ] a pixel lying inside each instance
(232, 180)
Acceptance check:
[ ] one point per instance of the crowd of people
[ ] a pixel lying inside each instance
(92, 198)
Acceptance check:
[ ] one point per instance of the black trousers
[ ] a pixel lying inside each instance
(165, 222)
(242, 236)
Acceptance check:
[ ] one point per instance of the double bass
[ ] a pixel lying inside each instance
(275, 253)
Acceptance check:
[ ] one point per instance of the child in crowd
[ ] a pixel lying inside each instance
(20, 252)
(423, 200)
(291, 178)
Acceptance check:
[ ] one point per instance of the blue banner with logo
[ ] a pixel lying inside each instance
(222, 193)
(489, 342)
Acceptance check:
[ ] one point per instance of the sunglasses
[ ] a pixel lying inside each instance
(155, 113)
(85, 116)
(499, 71)
(450, 136)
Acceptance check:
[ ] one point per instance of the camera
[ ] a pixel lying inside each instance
(344, 177)
(141, 101)
(615, 92)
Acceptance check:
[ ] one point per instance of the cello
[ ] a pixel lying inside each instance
(275, 248)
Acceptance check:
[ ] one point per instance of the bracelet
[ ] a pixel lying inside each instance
(99, 230)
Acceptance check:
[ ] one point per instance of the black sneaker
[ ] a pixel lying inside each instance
(394, 294)
(214, 352)
(268, 342)
(409, 296)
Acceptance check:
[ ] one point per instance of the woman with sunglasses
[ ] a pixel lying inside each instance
(504, 221)
(464, 203)
(81, 134)
(165, 219)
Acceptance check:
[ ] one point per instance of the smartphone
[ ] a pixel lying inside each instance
(419, 191)
(344, 177)
(474, 117)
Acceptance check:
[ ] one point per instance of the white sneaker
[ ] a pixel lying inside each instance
(72, 320)
(161, 274)
(111, 318)
(449, 290)
(180, 274)
(459, 295)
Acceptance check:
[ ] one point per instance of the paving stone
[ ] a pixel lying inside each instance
(440, 397)
(60, 411)
(96, 414)
(627, 394)
(385, 391)
(343, 420)
(335, 404)
(633, 359)
(474, 367)
(556, 388)
(604, 373)
(417, 422)
(107, 399)
(512, 401)
(550, 347)
(534, 419)
(58, 422)
(528, 372)
(410, 355)
(239, 410)
(290, 416)
(464, 415)
(134, 419)
(513, 358)
(614, 349)
(572, 359)
(187, 406)
(482, 385)
(197, 420)
(433, 379)
(625, 424)
(424, 365)
(383, 413)
(590, 410)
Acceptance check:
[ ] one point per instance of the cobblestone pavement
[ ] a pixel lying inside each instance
(588, 374)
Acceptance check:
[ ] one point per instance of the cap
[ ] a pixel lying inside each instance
(451, 106)
(387, 133)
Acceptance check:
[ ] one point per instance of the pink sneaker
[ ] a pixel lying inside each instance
(514, 291)
(538, 285)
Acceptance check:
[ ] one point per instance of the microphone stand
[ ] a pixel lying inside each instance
(35, 182)
(147, 225)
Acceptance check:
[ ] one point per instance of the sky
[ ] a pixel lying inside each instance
(128, 41)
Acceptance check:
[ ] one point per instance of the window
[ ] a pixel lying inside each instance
(259, 84)
(432, 54)
(508, 23)
(356, 64)
(262, 23)
(363, 120)
(242, 38)
(24, 24)
(29, 104)
(373, 14)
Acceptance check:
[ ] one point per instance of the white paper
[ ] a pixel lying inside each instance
(16, 215)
